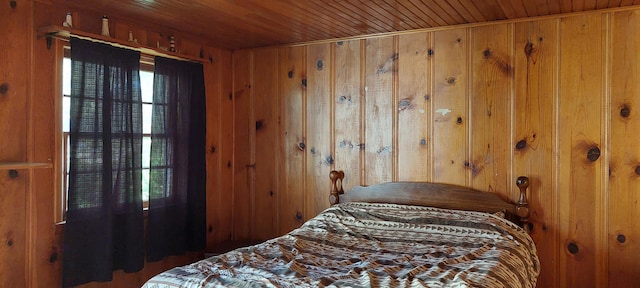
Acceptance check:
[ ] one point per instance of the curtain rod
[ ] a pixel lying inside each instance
(64, 33)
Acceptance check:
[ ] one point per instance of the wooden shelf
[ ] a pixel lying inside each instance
(60, 32)
(23, 165)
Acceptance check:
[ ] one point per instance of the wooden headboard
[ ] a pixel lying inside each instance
(434, 195)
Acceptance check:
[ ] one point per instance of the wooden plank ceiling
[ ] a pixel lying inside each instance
(237, 24)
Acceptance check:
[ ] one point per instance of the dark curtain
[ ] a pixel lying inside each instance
(104, 228)
(177, 197)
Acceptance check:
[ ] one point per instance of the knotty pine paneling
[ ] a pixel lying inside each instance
(349, 87)
(225, 123)
(579, 148)
(450, 107)
(292, 86)
(414, 107)
(13, 80)
(535, 133)
(266, 139)
(379, 110)
(244, 145)
(624, 211)
(15, 251)
(13, 187)
(490, 104)
(318, 128)
(544, 98)
(218, 87)
(46, 250)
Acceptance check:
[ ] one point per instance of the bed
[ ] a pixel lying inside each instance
(400, 234)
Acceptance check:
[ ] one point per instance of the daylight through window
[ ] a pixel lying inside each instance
(146, 83)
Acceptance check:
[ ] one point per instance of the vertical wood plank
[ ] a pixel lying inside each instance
(14, 75)
(579, 133)
(224, 202)
(381, 65)
(348, 103)
(15, 61)
(267, 128)
(293, 81)
(624, 210)
(318, 108)
(211, 78)
(47, 93)
(244, 154)
(219, 145)
(536, 74)
(491, 104)
(450, 112)
(414, 107)
(12, 227)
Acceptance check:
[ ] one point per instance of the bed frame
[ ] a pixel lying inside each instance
(435, 195)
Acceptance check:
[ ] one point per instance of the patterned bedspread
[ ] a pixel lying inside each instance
(376, 245)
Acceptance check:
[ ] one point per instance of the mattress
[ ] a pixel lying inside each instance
(375, 245)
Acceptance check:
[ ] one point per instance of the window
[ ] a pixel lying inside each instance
(146, 83)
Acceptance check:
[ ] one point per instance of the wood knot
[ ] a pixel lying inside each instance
(404, 104)
(212, 149)
(271, 193)
(625, 111)
(573, 248)
(426, 97)
(4, 88)
(487, 53)
(10, 243)
(593, 154)
(301, 146)
(259, 124)
(521, 144)
(13, 174)
(529, 49)
(340, 43)
(621, 239)
(459, 40)
(423, 142)
(451, 80)
(53, 257)
(637, 170)
(329, 160)
(304, 82)
(229, 164)
(430, 52)
(459, 120)
(13, 4)
(319, 65)
(345, 99)
(290, 74)
(299, 216)
(210, 229)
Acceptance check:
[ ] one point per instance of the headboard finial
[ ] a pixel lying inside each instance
(522, 207)
(336, 190)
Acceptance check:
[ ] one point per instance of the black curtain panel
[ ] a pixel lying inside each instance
(177, 197)
(104, 222)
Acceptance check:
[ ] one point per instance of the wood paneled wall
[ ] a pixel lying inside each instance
(30, 130)
(553, 99)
